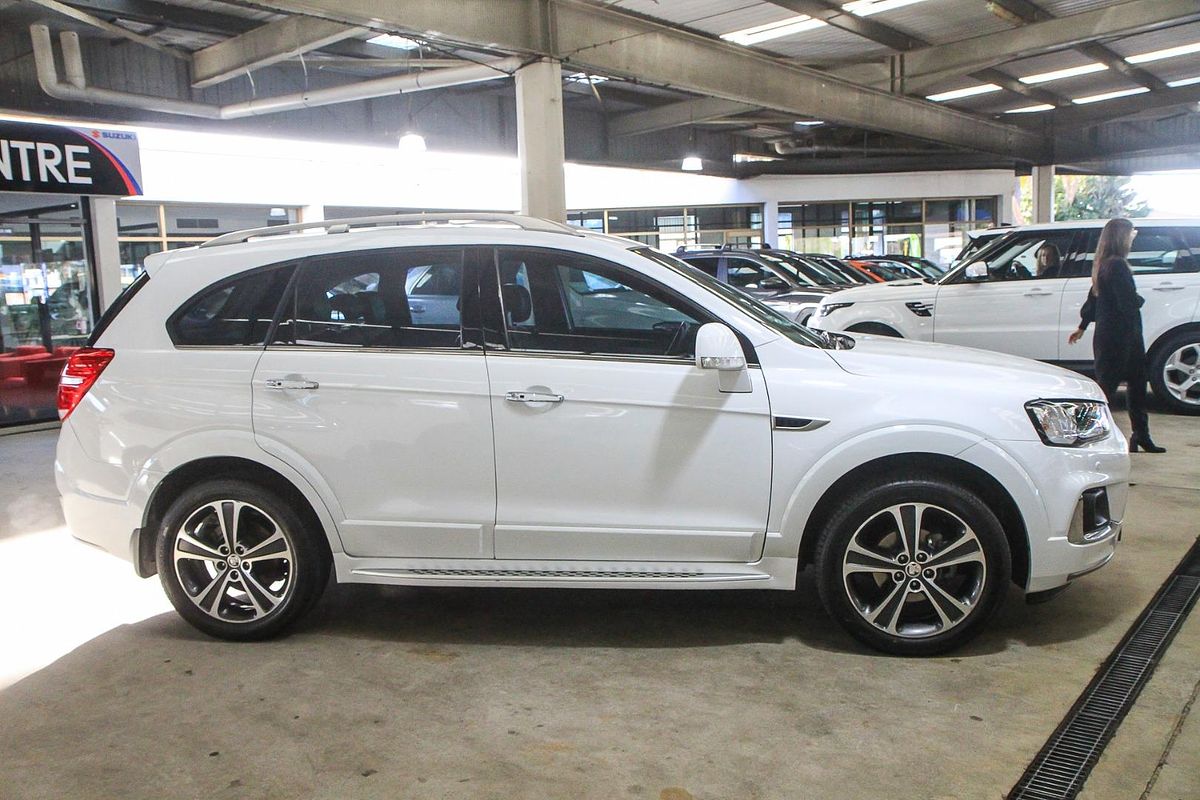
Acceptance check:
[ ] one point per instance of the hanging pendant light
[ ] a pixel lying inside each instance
(693, 164)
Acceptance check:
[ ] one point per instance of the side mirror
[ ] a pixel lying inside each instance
(976, 271)
(718, 348)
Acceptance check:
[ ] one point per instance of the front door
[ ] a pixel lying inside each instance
(611, 445)
(1016, 309)
(372, 384)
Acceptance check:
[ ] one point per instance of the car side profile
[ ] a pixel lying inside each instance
(999, 300)
(265, 408)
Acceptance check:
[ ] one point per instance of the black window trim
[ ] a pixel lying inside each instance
(173, 320)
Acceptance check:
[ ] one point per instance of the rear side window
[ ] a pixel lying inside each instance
(234, 313)
(1154, 251)
(405, 298)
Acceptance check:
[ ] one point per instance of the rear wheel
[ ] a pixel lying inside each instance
(1175, 372)
(238, 562)
(913, 567)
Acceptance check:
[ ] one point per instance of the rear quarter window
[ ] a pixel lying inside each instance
(237, 312)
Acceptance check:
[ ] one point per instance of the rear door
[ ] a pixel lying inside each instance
(1015, 310)
(385, 405)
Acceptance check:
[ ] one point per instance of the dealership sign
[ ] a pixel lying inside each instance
(63, 160)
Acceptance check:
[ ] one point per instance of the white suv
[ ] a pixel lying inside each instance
(264, 407)
(996, 300)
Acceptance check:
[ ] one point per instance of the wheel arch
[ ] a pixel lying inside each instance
(1160, 342)
(939, 465)
(186, 475)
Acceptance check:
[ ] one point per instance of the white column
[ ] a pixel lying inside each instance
(103, 232)
(540, 147)
(1043, 193)
(770, 230)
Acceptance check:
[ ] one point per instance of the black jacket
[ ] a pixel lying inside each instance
(1115, 307)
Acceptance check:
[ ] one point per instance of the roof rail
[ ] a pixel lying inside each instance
(346, 225)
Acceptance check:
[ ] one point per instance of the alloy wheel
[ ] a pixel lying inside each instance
(234, 561)
(1181, 374)
(914, 570)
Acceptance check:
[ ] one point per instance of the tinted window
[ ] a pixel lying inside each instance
(1017, 257)
(377, 298)
(1155, 250)
(235, 312)
(707, 264)
(747, 274)
(566, 302)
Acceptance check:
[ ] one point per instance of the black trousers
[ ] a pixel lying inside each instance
(1128, 365)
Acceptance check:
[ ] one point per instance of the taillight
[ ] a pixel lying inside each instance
(82, 369)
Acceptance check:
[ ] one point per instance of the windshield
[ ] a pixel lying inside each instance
(805, 272)
(763, 314)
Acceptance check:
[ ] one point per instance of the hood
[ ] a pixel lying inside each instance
(804, 294)
(895, 290)
(905, 360)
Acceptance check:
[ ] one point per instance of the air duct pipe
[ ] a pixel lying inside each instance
(76, 89)
(785, 147)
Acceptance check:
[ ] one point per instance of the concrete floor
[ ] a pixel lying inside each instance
(449, 693)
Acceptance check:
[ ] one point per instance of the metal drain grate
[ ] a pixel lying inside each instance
(1060, 769)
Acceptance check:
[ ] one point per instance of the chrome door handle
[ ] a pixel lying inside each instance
(1167, 288)
(285, 383)
(533, 397)
(1039, 294)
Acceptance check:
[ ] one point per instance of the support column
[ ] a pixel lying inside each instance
(770, 229)
(1043, 193)
(540, 146)
(102, 212)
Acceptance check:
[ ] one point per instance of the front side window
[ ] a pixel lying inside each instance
(566, 302)
(377, 298)
(1016, 258)
(233, 313)
(750, 275)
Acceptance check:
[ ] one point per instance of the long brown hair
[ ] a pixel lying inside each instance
(1114, 243)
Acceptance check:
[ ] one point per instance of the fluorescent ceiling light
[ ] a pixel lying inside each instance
(808, 123)
(1184, 82)
(1159, 55)
(411, 144)
(692, 164)
(1096, 98)
(745, 158)
(584, 77)
(1069, 72)
(392, 40)
(773, 30)
(865, 8)
(1030, 109)
(958, 94)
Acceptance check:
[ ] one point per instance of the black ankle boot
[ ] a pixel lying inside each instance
(1143, 441)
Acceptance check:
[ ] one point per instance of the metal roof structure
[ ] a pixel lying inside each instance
(1091, 85)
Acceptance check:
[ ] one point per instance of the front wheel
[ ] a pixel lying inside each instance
(1175, 372)
(913, 567)
(238, 562)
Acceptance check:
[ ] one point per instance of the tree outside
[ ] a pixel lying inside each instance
(1087, 197)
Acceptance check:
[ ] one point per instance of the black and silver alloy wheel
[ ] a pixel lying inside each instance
(238, 561)
(233, 561)
(914, 570)
(1181, 374)
(913, 567)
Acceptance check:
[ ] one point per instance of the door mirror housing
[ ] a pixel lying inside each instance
(976, 271)
(718, 348)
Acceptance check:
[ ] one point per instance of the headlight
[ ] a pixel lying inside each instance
(828, 308)
(1069, 423)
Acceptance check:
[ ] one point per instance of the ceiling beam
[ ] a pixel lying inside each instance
(930, 65)
(855, 165)
(104, 25)
(606, 41)
(1071, 119)
(676, 115)
(265, 45)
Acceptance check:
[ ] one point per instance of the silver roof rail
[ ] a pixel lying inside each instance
(346, 225)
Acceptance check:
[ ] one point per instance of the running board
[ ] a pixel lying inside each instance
(566, 575)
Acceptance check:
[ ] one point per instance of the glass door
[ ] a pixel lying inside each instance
(46, 300)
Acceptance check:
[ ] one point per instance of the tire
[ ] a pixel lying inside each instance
(885, 600)
(206, 578)
(1175, 372)
(874, 329)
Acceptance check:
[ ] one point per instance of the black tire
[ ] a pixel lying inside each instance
(849, 582)
(874, 329)
(1164, 352)
(288, 560)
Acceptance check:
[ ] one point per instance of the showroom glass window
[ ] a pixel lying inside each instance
(555, 301)
(47, 299)
(395, 298)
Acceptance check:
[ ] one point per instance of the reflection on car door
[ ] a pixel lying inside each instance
(389, 408)
(610, 443)
(1014, 311)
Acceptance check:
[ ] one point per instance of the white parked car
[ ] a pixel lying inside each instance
(997, 301)
(597, 414)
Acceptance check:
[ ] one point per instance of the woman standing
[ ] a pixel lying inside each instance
(1114, 305)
